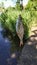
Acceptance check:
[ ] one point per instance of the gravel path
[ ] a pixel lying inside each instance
(29, 51)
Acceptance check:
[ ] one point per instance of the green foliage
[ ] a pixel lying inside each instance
(18, 1)
(18, 6)
(32, 5)
(29, 17)
(8, 19)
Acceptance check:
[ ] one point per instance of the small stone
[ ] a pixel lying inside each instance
(35, 38)
(36, 46)
(29, 43)
(13, 55)
(32, 38)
